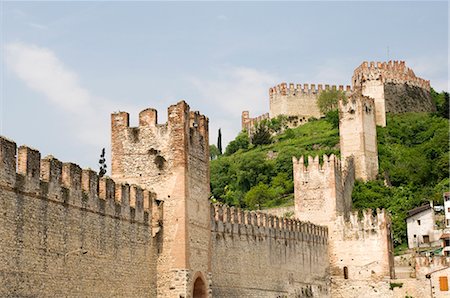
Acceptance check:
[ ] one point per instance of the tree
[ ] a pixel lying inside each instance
(219, 142)
(262, 135)
(241, 142)
(328, 100)
(213, 152)
(102, 163)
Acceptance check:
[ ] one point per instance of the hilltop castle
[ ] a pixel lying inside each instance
(394, 87)
(151, 231)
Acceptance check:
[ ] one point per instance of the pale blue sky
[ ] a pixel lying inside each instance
(67, 65)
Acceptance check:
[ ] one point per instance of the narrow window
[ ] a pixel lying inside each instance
(418, 222)
(415, 236)
(345, 272)
(443, 283)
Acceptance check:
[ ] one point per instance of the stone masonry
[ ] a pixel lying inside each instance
(394, 87)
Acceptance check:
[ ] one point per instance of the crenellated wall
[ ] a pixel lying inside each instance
(172, 160)
(248, 124)
(394, 87)
(66, 232)
(297, 100)
(259, 255)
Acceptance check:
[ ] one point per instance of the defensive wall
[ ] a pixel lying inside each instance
(394, 87)
(298, 100)
(259, 255)
(65, 231)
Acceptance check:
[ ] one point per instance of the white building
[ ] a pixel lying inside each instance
(420, 225)
(447, 208)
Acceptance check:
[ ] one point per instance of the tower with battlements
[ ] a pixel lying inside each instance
(394, 87)
(358, 134)
(171, 159)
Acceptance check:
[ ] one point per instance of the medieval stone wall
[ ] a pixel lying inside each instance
(65, 232)
(295, 100)
(260, 255)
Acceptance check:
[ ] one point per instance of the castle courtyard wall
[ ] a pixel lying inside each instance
(259, 255)
(66, 233)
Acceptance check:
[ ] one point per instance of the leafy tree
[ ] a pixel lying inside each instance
(213, 152)
(328, 100)
(442, 103)
(332, 117)
(241, 142)
(258, 195)
(219, 142)
(262, 135)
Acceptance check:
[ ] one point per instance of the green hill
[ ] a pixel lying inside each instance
(413, 156)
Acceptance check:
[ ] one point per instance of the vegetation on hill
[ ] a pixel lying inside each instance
(413, 156)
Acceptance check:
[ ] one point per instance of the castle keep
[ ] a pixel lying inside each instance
(394, 87)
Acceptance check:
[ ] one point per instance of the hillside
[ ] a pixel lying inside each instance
(413, 157)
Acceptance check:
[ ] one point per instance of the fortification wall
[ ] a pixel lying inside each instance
(260, 255)
(65, 232)
(297, 100)
(172, 160)
(394, 87)
(248, 124)
(361, 254)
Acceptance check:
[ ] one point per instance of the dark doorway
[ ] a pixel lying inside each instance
(199, 288)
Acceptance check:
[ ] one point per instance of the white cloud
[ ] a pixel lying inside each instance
(41, 70)
(233, 90)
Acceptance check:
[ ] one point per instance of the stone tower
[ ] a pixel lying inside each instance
(358, 134)
(322, 191)
(394, 87)
(172, 160)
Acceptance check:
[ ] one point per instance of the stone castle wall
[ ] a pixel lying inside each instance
(394, 87)
(295, 100)
(65, 232)
(260, 255)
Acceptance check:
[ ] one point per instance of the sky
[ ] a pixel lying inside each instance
(66, 66)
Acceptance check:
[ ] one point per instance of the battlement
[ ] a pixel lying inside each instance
(148, 119)
(249, 123)
(312, 164)
(292, 89)
(68, 184)
(233, 220)
(365, 222)
(388, 72)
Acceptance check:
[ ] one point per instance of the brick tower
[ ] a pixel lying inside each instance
(172, 160)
